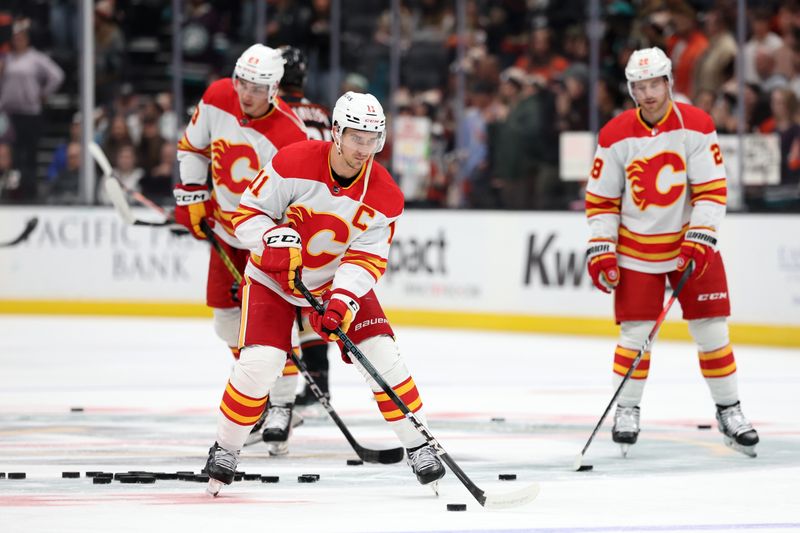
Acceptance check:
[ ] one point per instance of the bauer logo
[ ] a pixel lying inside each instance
(551, 266)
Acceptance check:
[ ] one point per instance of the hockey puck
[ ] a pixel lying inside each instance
(306, 478)
(16, 475)
(166, 475)
(70, 474)
(76, 409)
(703, 426)
(270, 479)
(2, 475)
(507, 477)
(145, 479)
(585, 468)
(101, 480)
(456, 506)
(93, 473)
(252, 477)
(355, 462)
(498, 419)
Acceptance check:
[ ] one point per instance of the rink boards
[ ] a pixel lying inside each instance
(491, 270)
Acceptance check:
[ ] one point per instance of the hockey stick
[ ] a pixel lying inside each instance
(646, 346)
(390, 456)
(117, 193)
(496, 501)
(386, 457)
(30, 225)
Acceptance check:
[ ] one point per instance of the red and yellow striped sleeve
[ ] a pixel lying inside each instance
(712, 191)
(600, 205)
(372, 263)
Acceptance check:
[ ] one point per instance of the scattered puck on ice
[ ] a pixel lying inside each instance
(16, 475)
(498, 419)
(76, 409)
(456, 506)
(203, 478)
(145, 479)
(306, 478)
(585, 468)
(2, 475)
(101, 480)
(166, 475)
(70, 474)
(703, 426)
(315, 476)
(507, 477)
(252, 477)
(125, 478)
(270, 479)
(355, 462)
(93, 473)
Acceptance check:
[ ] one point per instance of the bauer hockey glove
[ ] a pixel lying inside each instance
(282, 257)
(699, 245)
(192, 204)
(340, 310)
(601, 261)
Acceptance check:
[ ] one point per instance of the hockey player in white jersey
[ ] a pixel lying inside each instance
(327, 211)
(236, 129)
(655, 199)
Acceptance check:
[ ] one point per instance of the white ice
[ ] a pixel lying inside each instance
(150, 391)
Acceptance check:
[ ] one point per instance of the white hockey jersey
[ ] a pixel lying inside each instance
(237, 146)
(648, 185)
(346, 231)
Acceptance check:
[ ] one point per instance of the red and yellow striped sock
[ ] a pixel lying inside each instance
(623, 359)
(407, 391)
(717, 364)
(241, 409)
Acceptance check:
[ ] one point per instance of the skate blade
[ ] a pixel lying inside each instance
(213, 487)
(278, 449)
(749, 451)
(623, 448)
(434, 487)
(253, 438)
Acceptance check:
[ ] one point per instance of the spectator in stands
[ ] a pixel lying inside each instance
(763, 40)
(541, 60)
(116, 137)
(685, 47)
(716, 65)
(572, 99)
(29, 78)
(59, 162)
(784, 122)
(64, 190)
(126, 171)
(149, 148)
(109, 52)
(10, 177)
(157, 184)
(168, 121)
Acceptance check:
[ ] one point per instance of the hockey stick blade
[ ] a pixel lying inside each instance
(501, 501)
(386, 457)
(30, 225)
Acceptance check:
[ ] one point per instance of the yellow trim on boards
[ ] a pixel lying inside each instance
(782, 335)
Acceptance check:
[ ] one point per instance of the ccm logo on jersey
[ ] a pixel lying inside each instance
(370, 322)
(272, 240)
(711, 296)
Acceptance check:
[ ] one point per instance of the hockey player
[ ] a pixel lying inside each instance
(327, 210)
(237, 128)
(654, 201)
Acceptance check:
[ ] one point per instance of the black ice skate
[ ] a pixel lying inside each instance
(626, 427)
(426, 465)
(277, 428)
(738, 432)
(220, 467)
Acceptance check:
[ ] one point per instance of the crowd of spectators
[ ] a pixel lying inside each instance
(527, 81)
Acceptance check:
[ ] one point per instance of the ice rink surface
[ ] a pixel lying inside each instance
(149, 390)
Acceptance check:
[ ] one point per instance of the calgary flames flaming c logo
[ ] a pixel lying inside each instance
(643, 175)
(225, 157)
(312, 226)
